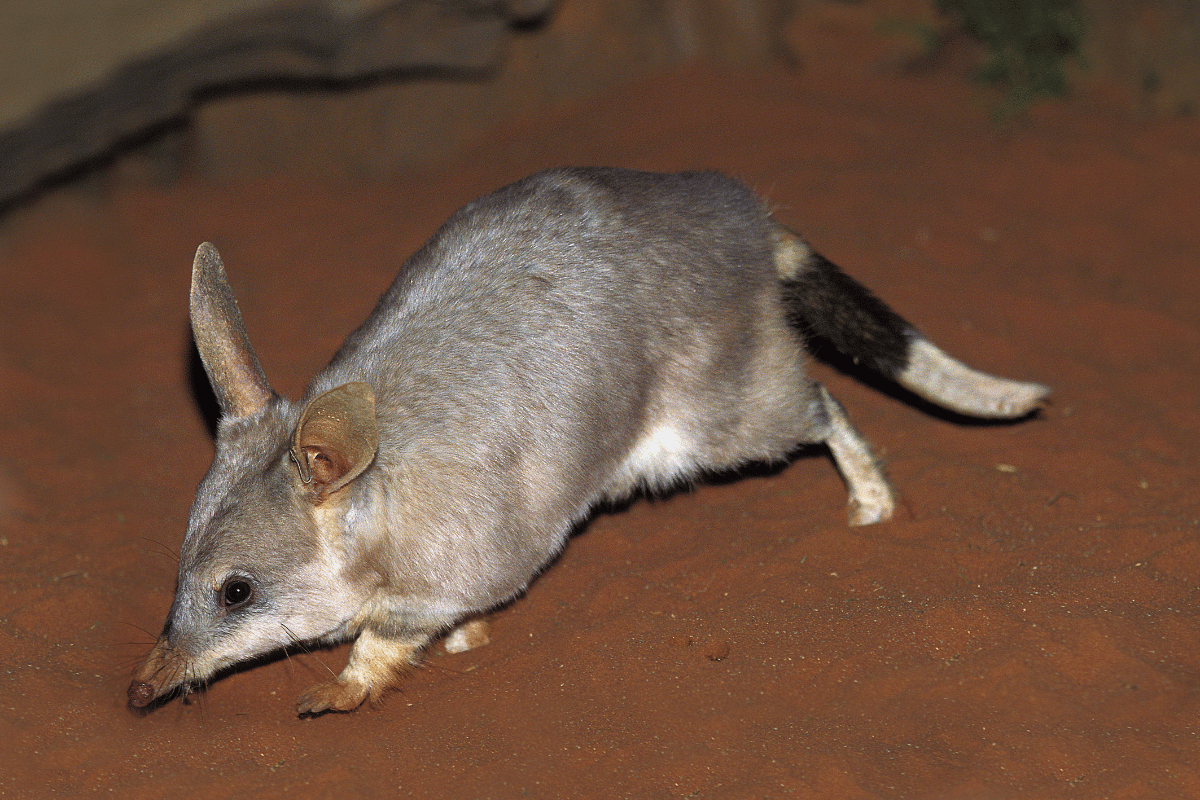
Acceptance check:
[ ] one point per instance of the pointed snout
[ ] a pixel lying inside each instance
(162, 672)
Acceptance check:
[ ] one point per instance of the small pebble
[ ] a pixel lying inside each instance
(716, 649)
(679, 640)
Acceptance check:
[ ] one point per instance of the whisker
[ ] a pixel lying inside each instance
(292, 636)
(430, 665)
(200, 692)
(153, 636)
(296, 641)
(127, 665)
(164, 550)
(185, 702)
(191, 689)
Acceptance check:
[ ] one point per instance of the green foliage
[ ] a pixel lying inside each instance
(1029, 43)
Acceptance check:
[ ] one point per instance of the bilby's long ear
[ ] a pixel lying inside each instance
(336, 438)
(233, 369)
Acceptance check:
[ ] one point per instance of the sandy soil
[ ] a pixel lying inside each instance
(1031, 630)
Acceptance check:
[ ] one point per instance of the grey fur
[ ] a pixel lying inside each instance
(566, 339)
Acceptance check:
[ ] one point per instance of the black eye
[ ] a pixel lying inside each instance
(236, 592)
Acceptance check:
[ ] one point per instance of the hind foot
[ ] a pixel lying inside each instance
(467, 636)
(871, 498)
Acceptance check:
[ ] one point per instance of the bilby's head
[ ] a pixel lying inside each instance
(262, 564)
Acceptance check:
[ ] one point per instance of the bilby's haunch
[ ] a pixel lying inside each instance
(567, 339)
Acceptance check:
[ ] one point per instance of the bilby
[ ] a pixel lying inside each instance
(570, 338)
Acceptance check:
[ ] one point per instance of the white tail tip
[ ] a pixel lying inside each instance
(950, 383)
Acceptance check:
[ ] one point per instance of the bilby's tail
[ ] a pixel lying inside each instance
(823, 301)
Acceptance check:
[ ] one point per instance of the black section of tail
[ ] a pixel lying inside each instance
(826, 303)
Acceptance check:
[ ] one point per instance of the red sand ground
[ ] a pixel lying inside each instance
(1030, 631)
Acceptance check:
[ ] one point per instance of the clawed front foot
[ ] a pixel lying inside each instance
(376, 664)
(331, 696)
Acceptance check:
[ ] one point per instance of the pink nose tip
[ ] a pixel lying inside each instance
(140, 694)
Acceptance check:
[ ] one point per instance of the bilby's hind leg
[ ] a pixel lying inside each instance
(871, 498)
(467, 636)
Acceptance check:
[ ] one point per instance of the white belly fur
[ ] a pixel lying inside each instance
(660, 458)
